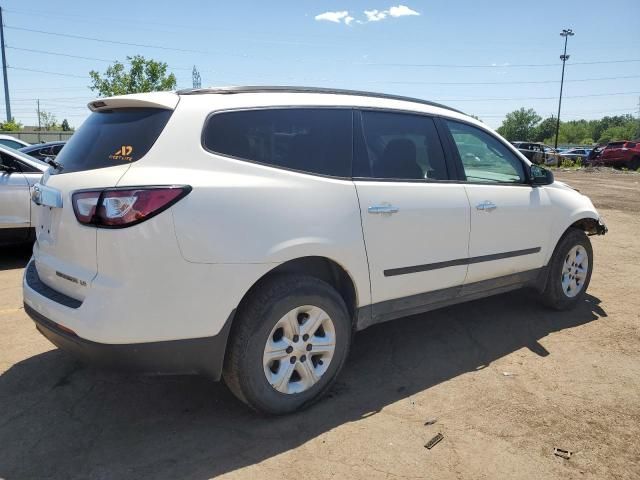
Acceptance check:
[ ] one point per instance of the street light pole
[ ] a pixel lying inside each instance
(566, 33)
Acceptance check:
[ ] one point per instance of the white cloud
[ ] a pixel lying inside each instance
(375, 15)
(402, 11)
(335, 17)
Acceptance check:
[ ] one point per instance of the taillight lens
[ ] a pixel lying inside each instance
(123, 207)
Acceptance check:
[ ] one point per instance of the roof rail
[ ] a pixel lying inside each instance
(290, 89)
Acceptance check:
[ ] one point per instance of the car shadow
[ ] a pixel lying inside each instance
(15, 256)
(59, 419)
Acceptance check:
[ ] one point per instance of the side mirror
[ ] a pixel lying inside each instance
(540, 176)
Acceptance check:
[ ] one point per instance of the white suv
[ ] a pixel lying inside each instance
(247, 233)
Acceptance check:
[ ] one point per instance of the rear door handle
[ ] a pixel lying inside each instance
(487, 206)
(383, 209)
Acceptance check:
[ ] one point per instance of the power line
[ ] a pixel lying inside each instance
(60, 54)
(499, 115)
(534, 98)
(54, 99)
(47, 52)
(504, 65)
(48, 73)
(186, 50)
(390, 82)
(514, 82)
(37, 89)
(117, 42)
(83, 20)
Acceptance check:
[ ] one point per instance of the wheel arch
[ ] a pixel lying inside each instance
(323, 268)
(590, 225)
(586, 220)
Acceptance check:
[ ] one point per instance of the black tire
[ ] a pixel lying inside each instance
(243, 370)
(554, 295)
(634, 164)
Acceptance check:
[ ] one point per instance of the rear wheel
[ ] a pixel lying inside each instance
(569, 271)
(290, 340)
(634, 164)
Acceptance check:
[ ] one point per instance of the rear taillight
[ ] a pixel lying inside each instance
(126, 206)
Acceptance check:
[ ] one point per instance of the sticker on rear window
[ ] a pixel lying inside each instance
(124, 153)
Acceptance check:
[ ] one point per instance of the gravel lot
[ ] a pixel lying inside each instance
(572, 381)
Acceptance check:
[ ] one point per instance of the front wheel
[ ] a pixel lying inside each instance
(289, 341)
(569, 271)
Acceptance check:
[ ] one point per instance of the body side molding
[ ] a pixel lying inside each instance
(460, 261)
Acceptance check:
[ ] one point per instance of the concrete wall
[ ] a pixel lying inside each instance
(37, 137)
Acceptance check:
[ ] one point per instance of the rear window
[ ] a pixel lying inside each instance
(113, 137)
(312, 140)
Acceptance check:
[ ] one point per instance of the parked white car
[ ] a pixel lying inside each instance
(12, 142)
(246, 233)
(18, 173)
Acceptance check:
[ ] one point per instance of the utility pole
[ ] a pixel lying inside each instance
(4, 70)
(566, 33)
(195, 75)
(39, 127)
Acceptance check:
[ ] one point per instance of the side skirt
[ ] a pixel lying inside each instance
(423, 302)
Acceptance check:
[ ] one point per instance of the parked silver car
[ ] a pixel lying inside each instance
(575, 154)
(18, 173)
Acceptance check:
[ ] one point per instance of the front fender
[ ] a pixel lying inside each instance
(581, 217)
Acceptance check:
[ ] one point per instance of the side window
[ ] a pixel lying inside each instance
(485, 158)
(313, 140)
(11, 143)
(399, 146)
(9, 161)
(56, 149)
(26, 168)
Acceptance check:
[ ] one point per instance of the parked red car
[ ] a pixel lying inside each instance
(620, 154)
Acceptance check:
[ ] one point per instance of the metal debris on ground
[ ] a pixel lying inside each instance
(434, 441)
(431, 422)
(559, 452)
(508, 374)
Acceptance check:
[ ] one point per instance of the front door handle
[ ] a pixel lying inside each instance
(486, 206)
(383, 209)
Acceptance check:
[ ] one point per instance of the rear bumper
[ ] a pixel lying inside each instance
(196, 355)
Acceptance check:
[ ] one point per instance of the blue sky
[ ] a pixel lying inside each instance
(392, 48)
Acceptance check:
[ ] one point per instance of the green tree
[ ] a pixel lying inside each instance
(621, 132)
(65, 126)
(575, 132)
(520, 124)
(142, 76)
(606, 123)
(545, 129)
(10, 126)
(48, 120)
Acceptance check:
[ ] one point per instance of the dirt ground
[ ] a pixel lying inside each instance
(506, 379)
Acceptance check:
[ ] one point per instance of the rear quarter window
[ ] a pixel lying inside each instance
(311, 140)
(113, 137)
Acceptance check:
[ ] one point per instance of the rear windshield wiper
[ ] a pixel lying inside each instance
(54, 163)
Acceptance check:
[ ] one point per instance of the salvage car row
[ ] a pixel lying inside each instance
(618, 154)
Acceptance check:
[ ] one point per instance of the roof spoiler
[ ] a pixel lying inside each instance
(163, 100)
